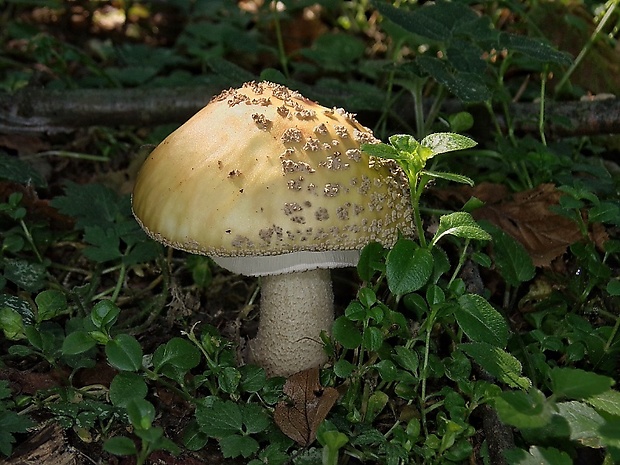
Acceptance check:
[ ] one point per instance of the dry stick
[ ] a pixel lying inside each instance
(32, 111)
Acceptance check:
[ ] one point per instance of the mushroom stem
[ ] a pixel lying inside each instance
(295, 308)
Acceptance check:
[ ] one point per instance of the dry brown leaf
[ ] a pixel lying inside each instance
(307, 406)
(527, 217)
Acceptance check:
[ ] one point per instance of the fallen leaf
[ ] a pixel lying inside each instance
(307, 406)
(528, 218)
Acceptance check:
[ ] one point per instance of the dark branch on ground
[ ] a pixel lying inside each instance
(32, 111)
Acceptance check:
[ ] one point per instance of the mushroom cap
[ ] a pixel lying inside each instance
(262, 171)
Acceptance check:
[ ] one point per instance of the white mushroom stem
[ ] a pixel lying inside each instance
(295, 308)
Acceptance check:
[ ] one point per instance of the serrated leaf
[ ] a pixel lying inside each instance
(91, 205)
(574, 383)
(125, 387)
(255, 420)
(468, 87)
(218, 418)
(460, 224)
(104, 244)
(583, 421)
(346, 333)
(380, 150)
(608, 402)
(236, 445)
(538, 456)
(523, 410)
(480, 321)
(449, 177)
(434, 21)
(511, 258)
(408, 267)
(534, 48)
(442, 142)
(499, 363)
(14, 169)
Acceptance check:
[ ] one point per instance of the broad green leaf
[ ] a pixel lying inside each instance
(460, 224)
(538, 456)
(236, 445)
(408, 267)
(228, 379)
(499, 363)
(442, 142)
(608, 402)
(583, 421)
(381, 150)
(218, 418)
(372, 260)
(253, 378)
(255, 420)
(104, 314)
(449, 177)
(120, 445)
(124, 353)
(534, 48)
(406, 358)
(125, 387)
(434, 21)
(480, 321)
(372, 338)
(524, 409)
(178, 352)
(50, 304)
(77, 342)
(141, 413)
(28, 275)
(574, 383)
(15, 169)
(11, 324)
(511, 258)
(610, 434)
(346, 333)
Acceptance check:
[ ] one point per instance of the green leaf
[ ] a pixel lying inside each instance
(235, 445)
(228, 379)
(574, 383)
(77, 342)
(372, 260)
(125, 387)
(408, 267)
(460, 224)
(537, 456)
(480, 321)
(141, 413)
(524, 409)
(104, 314)
(442, 142)
(92, 205)
(120, 445)
(27, 275)
(434, 21)
(583, 421)
(218, 418)
(449, 177)
(255, 420)
(380, 150)
(104, 244)
(534, 48)
(12, 324)
(50, 304)
(407, 358)
(177, 352)
(372, 338)
(608, 402)
(124, 353)
(253, 378)
(346, 333)
(511, 258)
(497, 362)
(15, 169)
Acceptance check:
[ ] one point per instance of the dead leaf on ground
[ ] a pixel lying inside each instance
(307, 406)
(526, 216)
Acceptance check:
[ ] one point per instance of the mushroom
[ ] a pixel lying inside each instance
(268, 183)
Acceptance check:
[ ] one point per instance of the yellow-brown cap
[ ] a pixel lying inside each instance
(261, 172)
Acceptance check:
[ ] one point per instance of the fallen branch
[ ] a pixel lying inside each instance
(50, 111)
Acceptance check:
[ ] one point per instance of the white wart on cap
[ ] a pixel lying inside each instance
(267, 182)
